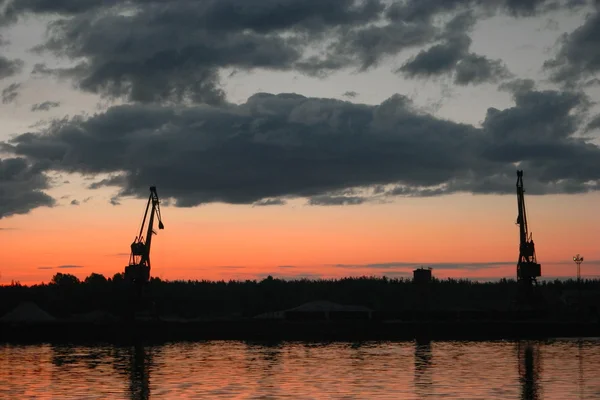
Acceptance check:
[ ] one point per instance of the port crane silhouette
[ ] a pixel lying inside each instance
(528, 269)
(138, 270)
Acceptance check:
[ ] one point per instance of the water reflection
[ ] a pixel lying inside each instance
(529, 370)
(370, 370)
(139, 381)
(580, 380)
(263, 359)
(423, 379)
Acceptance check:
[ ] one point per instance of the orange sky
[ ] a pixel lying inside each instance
(238, 242)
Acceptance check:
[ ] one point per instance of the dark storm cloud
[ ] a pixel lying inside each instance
(594, 123)
(475, 69)
(452, 56)
(65, 7)
(193, 41)
(10, 68)
(10, 93)
(287, 145)
(21, 187)
(438, 59)
(45, 106)
(579, 53)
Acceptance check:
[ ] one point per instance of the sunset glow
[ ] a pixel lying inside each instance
(309, 146)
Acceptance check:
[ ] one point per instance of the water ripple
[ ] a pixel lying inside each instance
(560, 369)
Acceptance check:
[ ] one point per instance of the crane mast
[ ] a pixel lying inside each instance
(528, 268)
(138, 270)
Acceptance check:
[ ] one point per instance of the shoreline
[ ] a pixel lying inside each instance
(244, 330)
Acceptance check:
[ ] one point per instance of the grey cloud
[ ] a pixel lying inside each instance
(270, 202)
(75, 202)
(266, 15)
(287, 145)
(452, 57)
(350, 94)
(476, 69)
(192, 41)
(517, 86)
(209, 35)
(10, 68)
(21, 187)
(10, 93)
(63, 267)
(45, 106)
(424, 10)
(592, 82)
(406, 265)
(328, 200)
(579, 53)
(594, 123)
(438, 59)
(65, 7)
(367, 47)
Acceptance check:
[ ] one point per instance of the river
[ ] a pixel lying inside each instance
(556, 369)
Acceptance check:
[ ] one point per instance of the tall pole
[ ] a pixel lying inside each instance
(578, 260)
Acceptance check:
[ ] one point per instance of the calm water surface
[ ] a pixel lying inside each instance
(559, 369)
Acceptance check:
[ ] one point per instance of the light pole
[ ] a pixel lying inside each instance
(578, 260)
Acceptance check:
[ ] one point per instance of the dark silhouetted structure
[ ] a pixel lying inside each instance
(528, 269)
(422, 278)
(138, 270)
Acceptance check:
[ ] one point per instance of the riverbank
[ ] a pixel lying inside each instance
(166, 331)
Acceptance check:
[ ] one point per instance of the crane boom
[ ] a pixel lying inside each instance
(138, 270)
(528, 268)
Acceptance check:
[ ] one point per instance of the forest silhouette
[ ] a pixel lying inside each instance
(66, 295)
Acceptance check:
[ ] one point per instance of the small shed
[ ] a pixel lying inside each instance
(422, 275)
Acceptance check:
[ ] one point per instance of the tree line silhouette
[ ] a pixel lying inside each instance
(66, 295)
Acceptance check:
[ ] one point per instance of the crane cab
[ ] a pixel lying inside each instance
(138, 248)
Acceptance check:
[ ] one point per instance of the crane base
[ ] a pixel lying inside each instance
(137, 273)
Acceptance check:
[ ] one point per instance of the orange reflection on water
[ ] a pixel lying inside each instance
(237, 370)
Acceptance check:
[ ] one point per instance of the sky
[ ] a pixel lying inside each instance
(298, 138)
